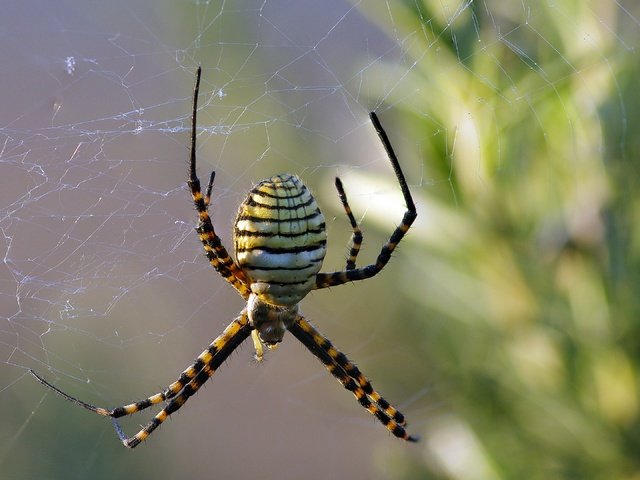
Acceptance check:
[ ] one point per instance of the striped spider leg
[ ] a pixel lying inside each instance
(351, 378)
(356, 236)
(350, 274)
(179, 391)
(280, 242)
(215, 251)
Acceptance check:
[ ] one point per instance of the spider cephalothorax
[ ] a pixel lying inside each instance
(280, 242)
(270, 321)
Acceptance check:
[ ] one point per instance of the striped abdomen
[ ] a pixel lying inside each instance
(280, 239)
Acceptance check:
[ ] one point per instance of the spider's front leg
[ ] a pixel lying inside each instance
(179, 391)
(224, 345)
(351, 378)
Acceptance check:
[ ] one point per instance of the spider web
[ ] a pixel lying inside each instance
(105, 290)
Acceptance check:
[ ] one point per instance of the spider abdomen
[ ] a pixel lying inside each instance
(280, 239)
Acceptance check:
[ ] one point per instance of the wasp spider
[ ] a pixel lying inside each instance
(280, 242)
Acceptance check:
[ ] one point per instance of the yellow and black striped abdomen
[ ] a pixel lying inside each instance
(280, 239)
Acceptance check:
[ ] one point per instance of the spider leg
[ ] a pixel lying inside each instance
(171, 391)
(353, 371)
(356, 237)
(216, 253)
(236, 333)
(188, 384)
(99, 410)
(324, 280)
(351, 378)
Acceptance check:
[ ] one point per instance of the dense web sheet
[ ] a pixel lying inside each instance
(104, 288)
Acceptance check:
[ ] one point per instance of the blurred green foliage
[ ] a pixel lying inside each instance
(526, 310)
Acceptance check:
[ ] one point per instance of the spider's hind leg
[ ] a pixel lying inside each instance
(217, 254)
(350, 274)
(356, 237)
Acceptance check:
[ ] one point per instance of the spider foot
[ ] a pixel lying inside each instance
(127, 442)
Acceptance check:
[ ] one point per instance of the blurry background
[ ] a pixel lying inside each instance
(506, 325)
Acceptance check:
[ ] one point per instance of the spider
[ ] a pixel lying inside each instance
(280, 243)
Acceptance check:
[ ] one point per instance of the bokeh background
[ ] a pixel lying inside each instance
(506, 325)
